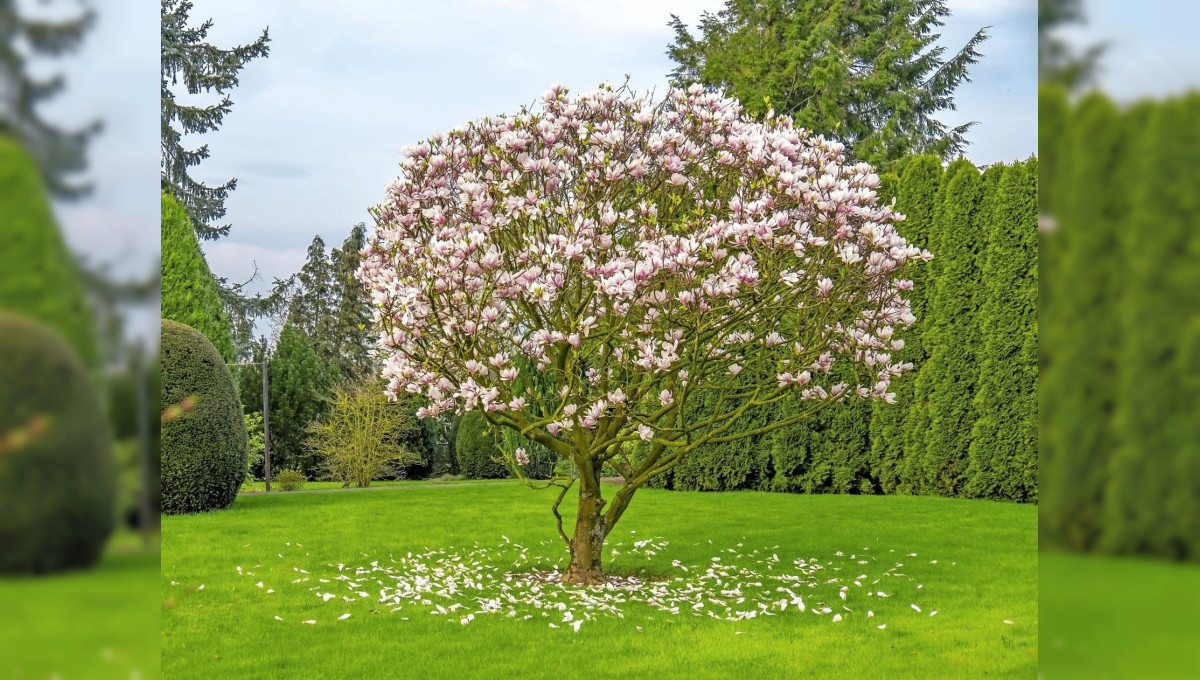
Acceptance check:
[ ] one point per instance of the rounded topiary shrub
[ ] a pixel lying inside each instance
(475, 446)
(57, 476)
(203, 448)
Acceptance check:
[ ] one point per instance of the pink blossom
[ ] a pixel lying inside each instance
(521, 456)
(483, 260)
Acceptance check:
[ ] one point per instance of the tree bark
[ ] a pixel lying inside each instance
(587, 544)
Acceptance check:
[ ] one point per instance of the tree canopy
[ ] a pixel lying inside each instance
(58, 153)
(202, 67)
(868, 73)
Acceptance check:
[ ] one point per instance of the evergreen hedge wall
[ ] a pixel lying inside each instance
(1120, 422)
(975, 351)
(190, 294)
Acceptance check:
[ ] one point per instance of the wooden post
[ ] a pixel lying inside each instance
(266, 426)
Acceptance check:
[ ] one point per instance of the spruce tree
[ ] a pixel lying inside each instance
(312, 307)
(947, 381)
(1058, 62)
(58, 153)
(202, 67)
(916, 201)
(1078, 385)
(190, 294)
(353, 325)
(1002, 457)
(298, 383)
(870, 73)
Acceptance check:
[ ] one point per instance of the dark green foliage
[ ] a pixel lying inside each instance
(541, 460)
(1121, 344)
(57, 475)
(203, 450)
(948, 378)
(248, 377)
(332, 308)
(917, 200)
(205, 68)
(1053, 138)
(56, 153)
(352, 307)
(311, 306)
(299, 383)
(190, 294)
(123, 417)
(289, 480)
(917, 416)
(1156, 317)
(1003, 450)
(889, 187)
(475, 446)
(1078, 384)
(738, 464)
(38, 276)
(869, 73)
(439, 457)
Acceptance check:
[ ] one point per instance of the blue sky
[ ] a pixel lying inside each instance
(1152, 45)
(317, 127)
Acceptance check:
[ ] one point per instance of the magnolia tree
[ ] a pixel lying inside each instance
(588, 272)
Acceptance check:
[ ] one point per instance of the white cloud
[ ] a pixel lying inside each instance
(347, 84)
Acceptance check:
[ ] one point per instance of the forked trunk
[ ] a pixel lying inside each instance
(587, 545)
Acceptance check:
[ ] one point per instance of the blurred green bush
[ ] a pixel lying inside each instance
(38, 276)
(1120, 343)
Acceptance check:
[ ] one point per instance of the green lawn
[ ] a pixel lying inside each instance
(100, 623)
(976, 562)
(258, 486)
(1118, 618)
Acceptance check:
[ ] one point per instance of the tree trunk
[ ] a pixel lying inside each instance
(587, 545)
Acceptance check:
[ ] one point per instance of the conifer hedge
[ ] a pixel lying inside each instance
(948, 379)
(917, 200)
(190, 294)
(1002, 458)
(38, 275)
(923, 443)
